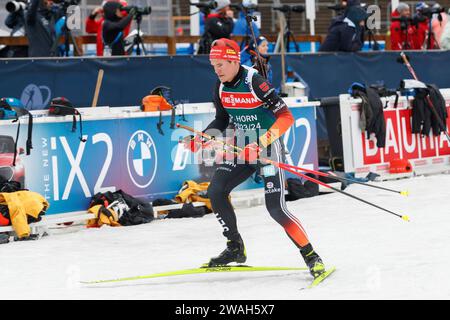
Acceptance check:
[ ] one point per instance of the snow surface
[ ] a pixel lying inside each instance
(378, 256)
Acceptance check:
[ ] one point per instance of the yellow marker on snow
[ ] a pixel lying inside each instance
(404, 193)
(406, 218)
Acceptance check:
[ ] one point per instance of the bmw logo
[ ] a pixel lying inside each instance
(141, 159)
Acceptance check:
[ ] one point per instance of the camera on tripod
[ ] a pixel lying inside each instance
(430, 11)
(288, 9)
(205, 7)
(15, 6)
(338, 8)
(245, 8)
(140, 11)
(406, 21)
(67, 3)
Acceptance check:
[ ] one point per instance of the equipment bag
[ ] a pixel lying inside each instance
(61, 106)
(158, 100)
(12, 108)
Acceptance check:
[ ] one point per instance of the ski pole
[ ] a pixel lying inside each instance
(323, 174)
(328, 175)
(280, 165)
(286, 168)
(430, 103)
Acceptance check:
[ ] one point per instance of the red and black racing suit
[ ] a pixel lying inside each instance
(251, 105)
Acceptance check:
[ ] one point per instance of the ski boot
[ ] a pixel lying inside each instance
(313, 261)
(235, 252)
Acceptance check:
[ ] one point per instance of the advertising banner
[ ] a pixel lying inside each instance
(126, 152)
(427, 154)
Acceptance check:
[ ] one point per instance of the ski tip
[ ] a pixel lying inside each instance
(404, 193)
(406, 218)
(322, 277)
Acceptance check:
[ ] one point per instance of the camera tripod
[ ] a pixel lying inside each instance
(430, 40)
(288, 36)
(68, 37)
(137, 41)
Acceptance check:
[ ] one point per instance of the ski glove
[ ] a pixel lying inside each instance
(250, 153)
(195, 143)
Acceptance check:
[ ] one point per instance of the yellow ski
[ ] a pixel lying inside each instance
(322, 277)
(239, 268)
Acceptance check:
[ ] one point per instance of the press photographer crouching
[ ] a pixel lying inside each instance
(346, 34)
(117, 18)
(38, 20)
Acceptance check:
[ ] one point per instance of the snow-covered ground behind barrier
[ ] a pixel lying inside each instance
(377, 255)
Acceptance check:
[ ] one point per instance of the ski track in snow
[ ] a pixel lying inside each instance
(378, 256)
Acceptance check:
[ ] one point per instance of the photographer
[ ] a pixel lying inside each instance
(346, 34)
(94, 24)
(114, 27)
(424, 36)
(217, 25)
(15, 21)
(401, 29)
(39, 24)
(445, 36)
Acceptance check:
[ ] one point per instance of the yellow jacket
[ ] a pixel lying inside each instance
(102, 216)
(20, 204)
(189, 193)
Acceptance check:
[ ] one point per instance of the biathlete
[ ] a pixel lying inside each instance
(245, 101)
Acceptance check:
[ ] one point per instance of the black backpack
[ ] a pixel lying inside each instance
(9, 186)
(131, 211)
(61, 106)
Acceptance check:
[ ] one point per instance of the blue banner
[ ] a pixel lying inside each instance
(127, 80)
(126, 153)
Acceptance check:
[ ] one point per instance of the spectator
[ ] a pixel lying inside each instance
(438, 24)
(445, 36)
(401, 29)
(39, 23)
(94, 24)
(346, 34)
(249, 56)
(113, 28)
(217, 25)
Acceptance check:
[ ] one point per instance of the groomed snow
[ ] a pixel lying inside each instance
(378, 256)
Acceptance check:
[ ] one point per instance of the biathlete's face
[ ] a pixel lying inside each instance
(225, 70)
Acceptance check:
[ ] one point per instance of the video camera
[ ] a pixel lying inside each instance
(429, 11)
(405, 21)
(339, 8)
(67, 3)
(205, 7)
(140, 11)
(245, 8)
(288, 9)
(15, 6)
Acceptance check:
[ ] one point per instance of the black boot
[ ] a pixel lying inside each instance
(313, 261)
(235, 252)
